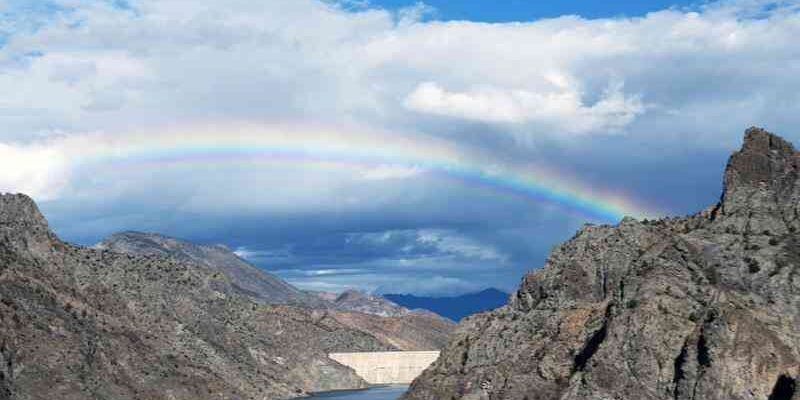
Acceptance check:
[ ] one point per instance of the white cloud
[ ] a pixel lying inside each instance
(36, 170)
(454, 244)
(430, 246)
(383, 172)
(320, 272)
(169, 62)
(431, 286)
(564, 111)
(383, 282)
(249, 254)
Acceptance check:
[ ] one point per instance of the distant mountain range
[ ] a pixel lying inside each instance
(454, 308)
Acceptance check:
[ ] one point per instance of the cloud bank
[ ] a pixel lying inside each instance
(611, 105)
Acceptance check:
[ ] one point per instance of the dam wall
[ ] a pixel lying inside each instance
(387, 367)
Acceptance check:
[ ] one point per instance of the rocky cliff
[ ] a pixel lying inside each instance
(80, 323)
(701, 307)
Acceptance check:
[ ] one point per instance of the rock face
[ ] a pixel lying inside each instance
(79, 323)
(244, 276)
(701, 307)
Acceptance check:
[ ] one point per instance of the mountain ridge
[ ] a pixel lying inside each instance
(82, 323)
(697, 307)
(395, 327)
(248, 278)
(453, 307)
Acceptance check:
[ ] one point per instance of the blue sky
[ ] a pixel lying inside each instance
(378, 149)
(529, 10)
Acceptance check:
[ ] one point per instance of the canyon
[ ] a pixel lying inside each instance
(162, 319)
(697, 307)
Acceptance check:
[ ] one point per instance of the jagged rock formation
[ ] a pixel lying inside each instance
(79, 323)
(702, 307)
(244, 276)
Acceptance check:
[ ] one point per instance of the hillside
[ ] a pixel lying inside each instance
(353, 300)
(411, 332)
(701, 307)
(80, 323)
(245, 277)
(392, 325)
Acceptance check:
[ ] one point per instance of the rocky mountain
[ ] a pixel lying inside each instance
(79, 323)
(393, 326)
(411, 330)
(454, 307)
(415, 331)
(244, 276)
(353, 300)
(700, 307)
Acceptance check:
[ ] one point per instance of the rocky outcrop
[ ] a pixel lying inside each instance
(80, 323)
(701, 307)
(245, 277)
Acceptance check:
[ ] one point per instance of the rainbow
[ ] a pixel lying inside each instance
(360, 151)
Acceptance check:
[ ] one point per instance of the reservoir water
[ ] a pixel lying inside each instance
(374, 393)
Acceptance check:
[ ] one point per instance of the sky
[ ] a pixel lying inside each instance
(530, 10)
(433, 148)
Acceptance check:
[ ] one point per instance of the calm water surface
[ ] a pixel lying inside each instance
(375, 393)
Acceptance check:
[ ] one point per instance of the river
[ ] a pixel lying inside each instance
(374, 393)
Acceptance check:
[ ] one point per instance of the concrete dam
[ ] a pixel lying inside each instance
(387, 367)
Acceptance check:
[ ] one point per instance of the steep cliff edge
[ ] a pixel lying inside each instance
(79, 323)
(701, 307)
